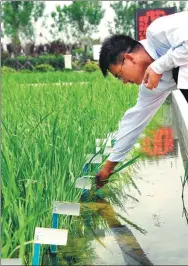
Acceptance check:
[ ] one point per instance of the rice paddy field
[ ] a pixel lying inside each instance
(50, 122)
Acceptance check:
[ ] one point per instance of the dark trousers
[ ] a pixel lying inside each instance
(175, 73)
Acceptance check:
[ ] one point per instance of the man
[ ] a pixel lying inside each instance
(151, 64)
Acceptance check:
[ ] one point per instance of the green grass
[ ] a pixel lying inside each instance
(47, 131)
(50, 77)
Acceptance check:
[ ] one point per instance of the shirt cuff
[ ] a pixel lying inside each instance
(156, 68)
(114, 157)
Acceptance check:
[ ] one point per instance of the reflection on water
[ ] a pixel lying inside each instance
(184, 185)
(185, 210)
(99, 240)
(132, 253)
(160, 143)
(161, 210)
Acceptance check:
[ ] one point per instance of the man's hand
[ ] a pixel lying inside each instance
(104, 174)
(151, 79)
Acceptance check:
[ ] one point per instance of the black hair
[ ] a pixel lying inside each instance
(113, 47)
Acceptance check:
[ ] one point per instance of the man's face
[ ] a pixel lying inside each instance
(129, 70)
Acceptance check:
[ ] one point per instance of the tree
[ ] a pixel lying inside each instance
(61, 28)
(18, 18)
(79, 20)
(124, 17)
(124, 13)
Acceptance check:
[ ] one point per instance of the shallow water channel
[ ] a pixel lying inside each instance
(161, 215)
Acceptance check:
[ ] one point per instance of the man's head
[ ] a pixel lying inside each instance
(125, 58)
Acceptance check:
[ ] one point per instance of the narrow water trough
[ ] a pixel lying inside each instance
(180, 118)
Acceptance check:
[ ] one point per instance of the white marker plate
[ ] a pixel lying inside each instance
(9, 262)
(100, 142)
(96, 159)
(108, 151)
(97, 149)
(108, 143)
(50, 236)
(66, 208)
(83, 183)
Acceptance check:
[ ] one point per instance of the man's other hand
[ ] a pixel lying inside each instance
(151, 79)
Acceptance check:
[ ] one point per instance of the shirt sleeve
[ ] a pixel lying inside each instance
(134, 122)
(176, 39)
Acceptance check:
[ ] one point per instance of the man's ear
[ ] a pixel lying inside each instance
(130, 57)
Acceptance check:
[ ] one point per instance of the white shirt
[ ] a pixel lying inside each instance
(167, 43)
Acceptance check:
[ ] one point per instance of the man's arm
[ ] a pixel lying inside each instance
(169, 36)
(175, 57)
(171, 33)
(131, 126)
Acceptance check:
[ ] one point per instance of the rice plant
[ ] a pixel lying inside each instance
(47, 132)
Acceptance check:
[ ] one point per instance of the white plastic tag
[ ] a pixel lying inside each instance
(83, 183)
(96, 159)
(66, 208)
(8, 262)
(50, 236)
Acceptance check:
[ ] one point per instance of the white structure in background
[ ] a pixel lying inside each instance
(68, 61)
(96, 51)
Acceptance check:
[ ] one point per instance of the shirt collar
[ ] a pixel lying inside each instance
(149, 49)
